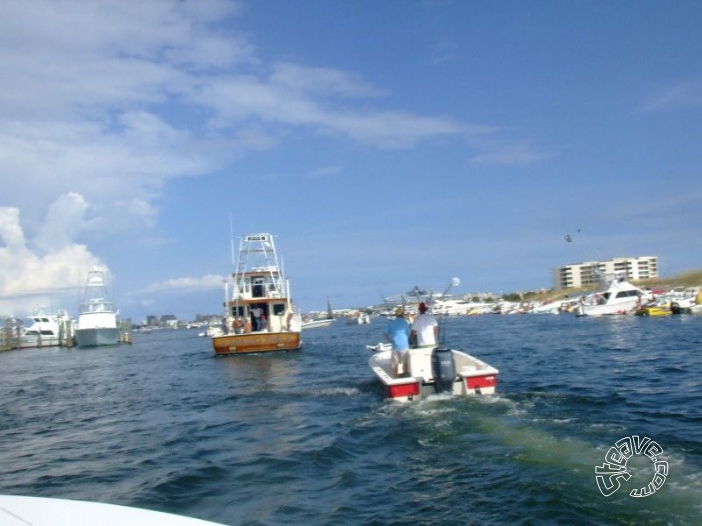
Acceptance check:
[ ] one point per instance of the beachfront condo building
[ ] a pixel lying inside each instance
(591, 272)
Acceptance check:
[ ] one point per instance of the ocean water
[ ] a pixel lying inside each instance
(306, 437)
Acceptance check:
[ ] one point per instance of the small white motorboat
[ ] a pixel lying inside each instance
(317, 324)
(434, 371)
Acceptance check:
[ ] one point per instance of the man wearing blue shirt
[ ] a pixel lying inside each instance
(397, 333)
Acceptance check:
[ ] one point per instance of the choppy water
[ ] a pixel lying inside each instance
(305, 437)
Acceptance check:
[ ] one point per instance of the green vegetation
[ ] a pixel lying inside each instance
(689, 279)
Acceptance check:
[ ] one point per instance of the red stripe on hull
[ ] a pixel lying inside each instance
(402, 390)
(481, 382)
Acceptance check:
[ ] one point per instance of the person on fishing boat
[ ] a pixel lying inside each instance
(397, 333)
(256, 312)
(425, 328)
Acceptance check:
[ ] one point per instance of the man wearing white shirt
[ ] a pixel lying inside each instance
(257, 311)
(425, 328)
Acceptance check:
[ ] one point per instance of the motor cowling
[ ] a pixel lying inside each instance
(443, 369)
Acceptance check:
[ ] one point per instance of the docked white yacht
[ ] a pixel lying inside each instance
(98, 319)
(46, 329)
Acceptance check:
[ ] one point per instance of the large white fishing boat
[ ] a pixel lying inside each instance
(259, 313)
(620, 297)
(97, 319)
(433, 371)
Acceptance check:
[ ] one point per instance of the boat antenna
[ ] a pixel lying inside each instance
(226, 297)
(442, 329)
(455, 282)
(592, 255)
(231, 239)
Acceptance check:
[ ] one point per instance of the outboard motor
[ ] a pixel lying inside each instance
(443, 369)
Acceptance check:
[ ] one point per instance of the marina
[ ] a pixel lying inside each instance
(44, 329)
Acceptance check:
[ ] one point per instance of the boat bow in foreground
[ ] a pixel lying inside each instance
(42, 511)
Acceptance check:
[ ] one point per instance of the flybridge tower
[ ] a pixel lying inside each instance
(258, 273)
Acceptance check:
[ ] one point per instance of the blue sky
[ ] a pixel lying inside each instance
(384, 144)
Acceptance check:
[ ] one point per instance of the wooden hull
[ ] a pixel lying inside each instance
(256, 342)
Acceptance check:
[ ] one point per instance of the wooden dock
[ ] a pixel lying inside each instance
(125, 331)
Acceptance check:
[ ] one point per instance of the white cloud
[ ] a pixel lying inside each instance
(176, 285)
(325, 171)
(516, 154)
(303, 98)
(52, 277)
(105, 102)
(11, 232)
(112, 100)
(326, 82)
(687, 94)
(63, 222)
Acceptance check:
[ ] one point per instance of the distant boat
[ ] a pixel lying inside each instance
(317, 324)
(259, 314)
(97, 318)
(359, 318)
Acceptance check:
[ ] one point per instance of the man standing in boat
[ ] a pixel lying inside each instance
(256, 311)
(425, 328)
(397, 333)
